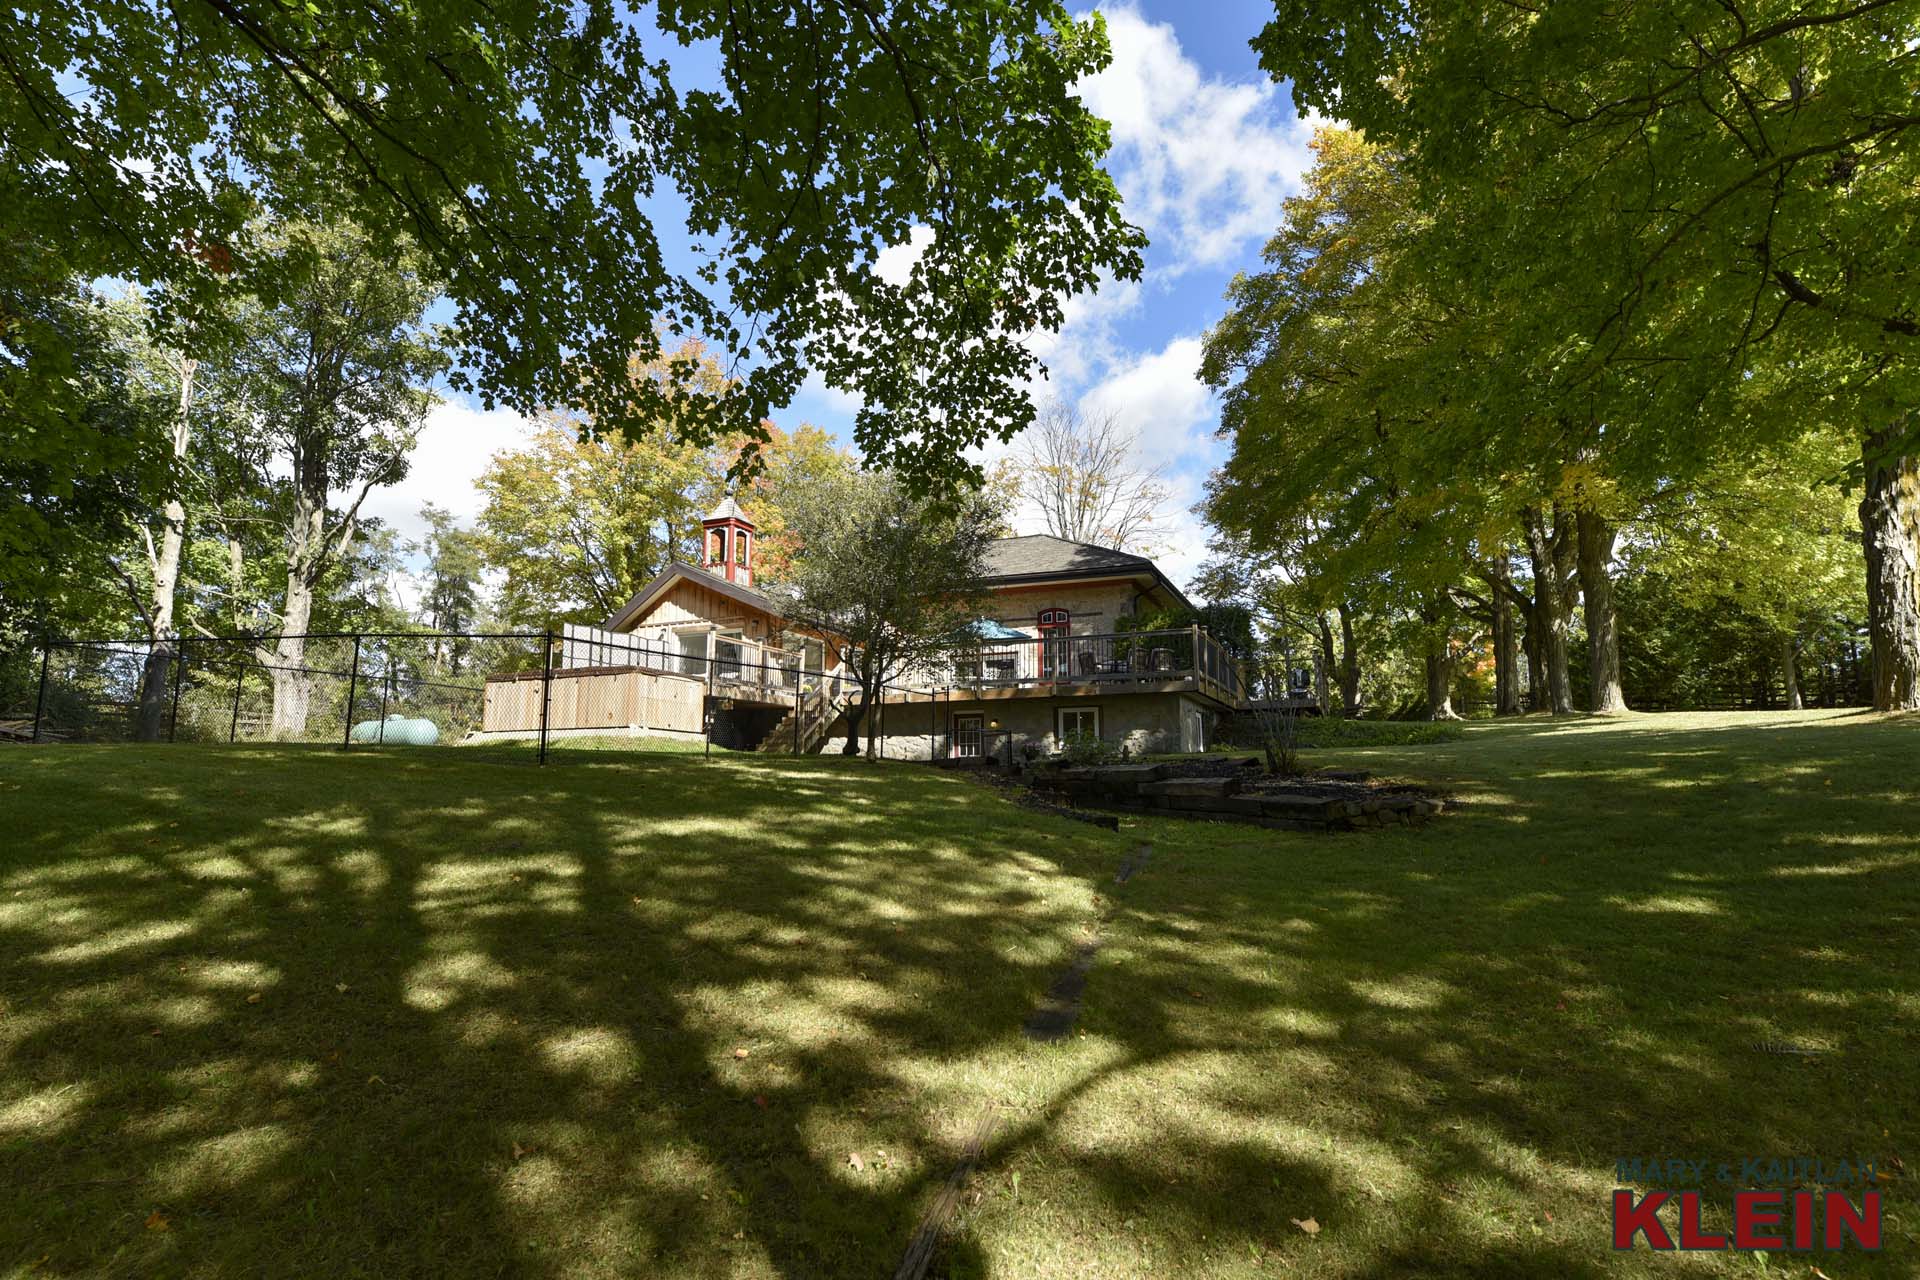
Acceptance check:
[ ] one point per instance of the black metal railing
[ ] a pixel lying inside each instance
(1121, 658)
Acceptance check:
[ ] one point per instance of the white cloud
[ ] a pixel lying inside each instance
(1088, 336)
(896, 262)
(816, 397)
(455, 446)
(1202, 163)
(1159, 398)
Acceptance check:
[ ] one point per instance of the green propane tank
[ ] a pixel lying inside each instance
(397, 728)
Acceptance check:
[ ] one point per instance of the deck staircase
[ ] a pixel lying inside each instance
(815, 713)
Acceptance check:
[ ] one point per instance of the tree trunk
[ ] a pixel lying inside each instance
(1789, 659)
(292, 685)
(1890, 525)
(1536, 665)
(163, 566)
(1439, 681)
(1506, 649)
(864, 711)
(1551, 611)
(851, 747)
(286, 666)
(1596, 536)
(1349, 667)
(1439, 666)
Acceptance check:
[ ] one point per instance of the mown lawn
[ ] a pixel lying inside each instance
(297, 1011)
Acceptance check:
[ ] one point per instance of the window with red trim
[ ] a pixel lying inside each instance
(1055, 622)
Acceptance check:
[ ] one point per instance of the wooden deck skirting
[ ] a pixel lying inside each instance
(594, 698)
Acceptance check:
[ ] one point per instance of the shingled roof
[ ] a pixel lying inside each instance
(1036, 557)
(1042, 554)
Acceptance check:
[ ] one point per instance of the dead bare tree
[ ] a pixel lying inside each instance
(1084, 474)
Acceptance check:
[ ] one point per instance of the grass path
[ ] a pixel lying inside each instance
(431, 1013)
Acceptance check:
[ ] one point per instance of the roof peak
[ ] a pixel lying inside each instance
(727, 510)
(1074, 542)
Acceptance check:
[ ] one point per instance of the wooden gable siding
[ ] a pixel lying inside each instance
(687, 603)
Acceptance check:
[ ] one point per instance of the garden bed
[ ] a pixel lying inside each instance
(1236, 789)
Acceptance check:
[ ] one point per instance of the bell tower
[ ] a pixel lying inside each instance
(729, 543)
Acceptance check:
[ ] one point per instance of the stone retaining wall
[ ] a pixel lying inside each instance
(1146, 788)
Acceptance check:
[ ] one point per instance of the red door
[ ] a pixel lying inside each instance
(1055, 626)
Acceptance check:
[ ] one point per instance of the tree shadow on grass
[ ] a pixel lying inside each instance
(590, 1021)
(1600, 956)
(638, 1016)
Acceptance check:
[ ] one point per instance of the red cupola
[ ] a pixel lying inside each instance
(729, 536)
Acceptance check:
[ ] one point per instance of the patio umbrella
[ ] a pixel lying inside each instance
(989, 630)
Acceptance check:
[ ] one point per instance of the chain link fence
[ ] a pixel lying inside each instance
(375, 688)
(526, 695)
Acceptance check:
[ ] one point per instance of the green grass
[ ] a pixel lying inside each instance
(499, 1010)
(1333, 731)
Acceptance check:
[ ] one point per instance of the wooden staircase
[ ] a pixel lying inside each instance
(815, 713)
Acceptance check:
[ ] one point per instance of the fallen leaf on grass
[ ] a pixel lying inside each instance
(342, 987)
(1307, 1225)
(157, 1221)
(254, 998)
(520, 1152)
(760, 1101)
(859, 1165)
(741, 1052)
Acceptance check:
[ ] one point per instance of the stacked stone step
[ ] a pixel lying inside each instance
(1147, 789)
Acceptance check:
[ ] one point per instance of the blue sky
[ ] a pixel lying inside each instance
(1205, 149)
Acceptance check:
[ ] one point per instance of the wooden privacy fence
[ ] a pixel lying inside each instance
(595, 698)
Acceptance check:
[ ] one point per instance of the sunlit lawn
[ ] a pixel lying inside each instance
(297, 1011)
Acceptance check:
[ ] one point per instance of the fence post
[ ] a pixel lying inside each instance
(386, 683)
(239, 677)
(546, 691)
(40, 699)
(179, 667)
(353, 679)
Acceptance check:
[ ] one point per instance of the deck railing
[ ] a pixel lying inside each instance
(1119, 659)
(740, 666)
(749, 669)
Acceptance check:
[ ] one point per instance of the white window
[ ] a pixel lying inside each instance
(1071, 722)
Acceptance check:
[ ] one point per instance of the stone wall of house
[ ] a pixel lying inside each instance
(1144, 723)
(1096, 608)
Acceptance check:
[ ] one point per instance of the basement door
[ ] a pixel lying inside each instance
(968, 733)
